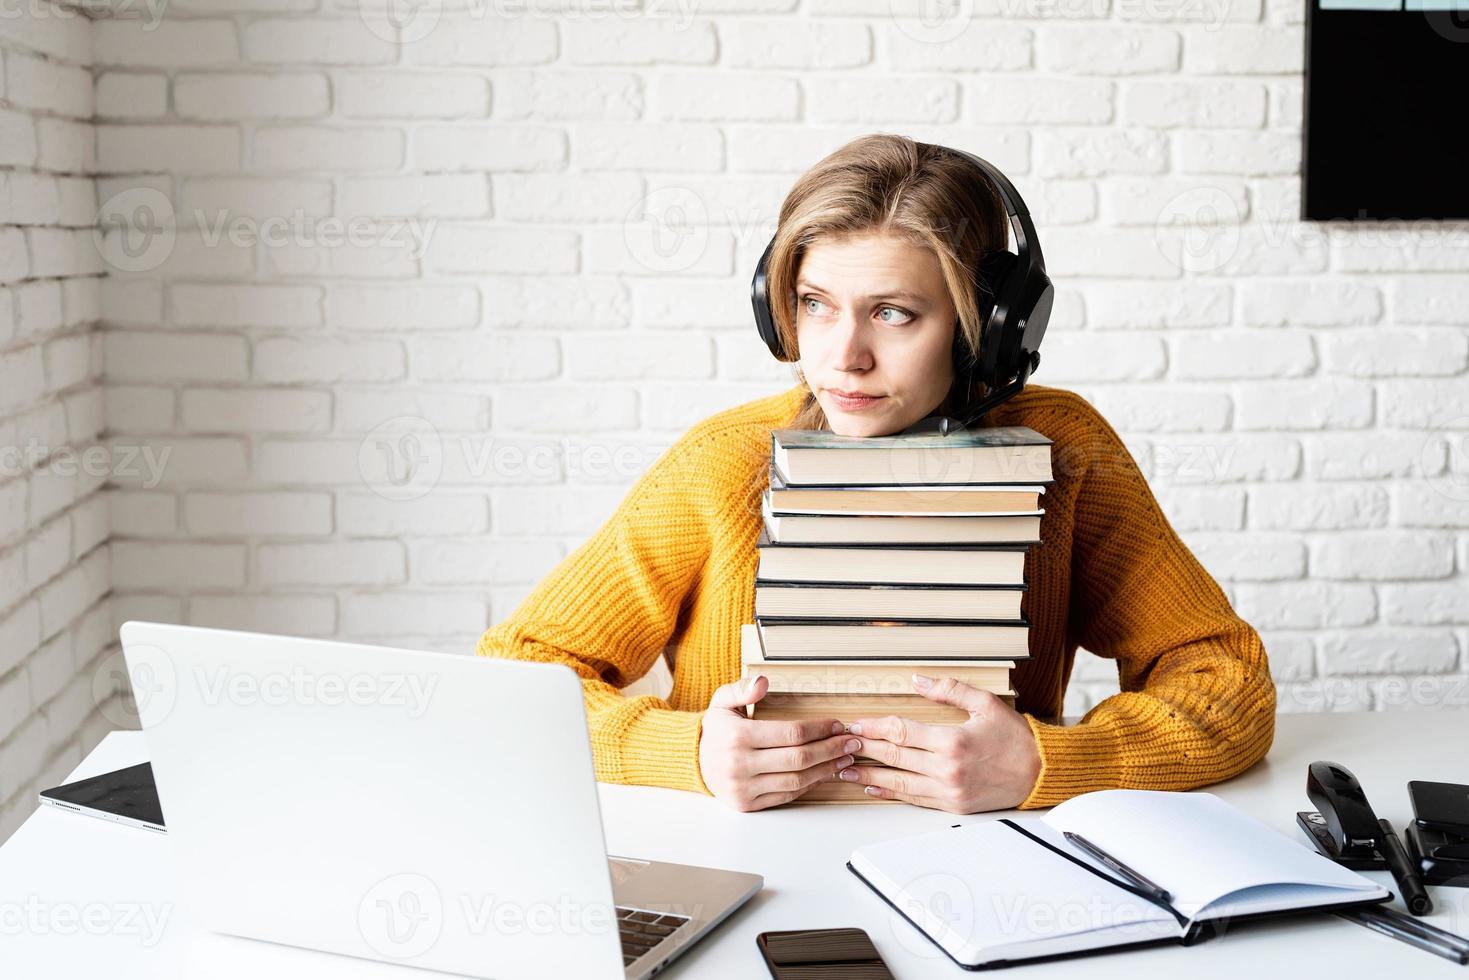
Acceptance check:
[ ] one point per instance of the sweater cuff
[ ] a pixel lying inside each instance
(662, 749)
(1074, 760)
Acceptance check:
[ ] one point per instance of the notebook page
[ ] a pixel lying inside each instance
(1202, 849)
(985, 892)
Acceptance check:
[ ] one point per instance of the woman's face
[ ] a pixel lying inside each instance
(874, 317)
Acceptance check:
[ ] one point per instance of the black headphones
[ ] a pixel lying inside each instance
(1013, 294)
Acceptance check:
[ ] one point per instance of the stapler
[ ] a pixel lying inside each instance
(1348, 831)
(1345, 825)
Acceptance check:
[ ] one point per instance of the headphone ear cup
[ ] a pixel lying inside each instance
(760, 302)
(994, 282)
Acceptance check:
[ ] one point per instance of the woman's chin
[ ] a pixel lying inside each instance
(858, 424)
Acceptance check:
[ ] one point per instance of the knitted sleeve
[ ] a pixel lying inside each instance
(608, 610)
(1197, 702)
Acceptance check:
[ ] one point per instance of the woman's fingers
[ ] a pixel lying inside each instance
(901, 756)
(793, 758)
(736, 694)
(796, 781)
(901, 731)
(763, 734)
(766, 800)
(879, 793)
(900, 781)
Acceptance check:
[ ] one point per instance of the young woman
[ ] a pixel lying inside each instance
(873, 255)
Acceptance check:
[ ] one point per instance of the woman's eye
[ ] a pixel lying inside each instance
(901, 317)
(808, 300)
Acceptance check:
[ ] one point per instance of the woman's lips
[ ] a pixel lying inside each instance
(850, 404)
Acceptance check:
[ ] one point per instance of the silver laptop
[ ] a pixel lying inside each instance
(429, 809)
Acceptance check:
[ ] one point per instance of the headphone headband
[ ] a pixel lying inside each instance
(1012, 292)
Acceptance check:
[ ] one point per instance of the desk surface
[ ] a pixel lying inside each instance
(81, 897)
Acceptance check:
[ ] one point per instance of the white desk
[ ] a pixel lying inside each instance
(83, 898)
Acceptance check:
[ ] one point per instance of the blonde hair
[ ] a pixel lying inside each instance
(889, 184)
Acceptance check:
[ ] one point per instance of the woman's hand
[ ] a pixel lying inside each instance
(752, 764)
(990, 762)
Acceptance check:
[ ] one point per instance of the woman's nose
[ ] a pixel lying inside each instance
(850, 347)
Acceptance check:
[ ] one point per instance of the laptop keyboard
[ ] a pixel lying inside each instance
(641, 930)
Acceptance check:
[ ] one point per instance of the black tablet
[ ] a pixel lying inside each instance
(126, 796)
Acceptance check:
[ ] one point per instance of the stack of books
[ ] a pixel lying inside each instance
(882, 557)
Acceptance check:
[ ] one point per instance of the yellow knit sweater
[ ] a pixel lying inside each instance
(674, 567)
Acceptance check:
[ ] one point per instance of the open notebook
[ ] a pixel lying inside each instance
(1002, 891)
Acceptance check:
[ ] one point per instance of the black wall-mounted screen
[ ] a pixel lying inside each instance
(1384, 127)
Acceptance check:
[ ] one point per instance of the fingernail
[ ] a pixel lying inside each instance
(850, 775)
(844, 762)
(872, 791)
(921, 682)
(853, 744)
(855, 728)
(836, 728)
(750, 685)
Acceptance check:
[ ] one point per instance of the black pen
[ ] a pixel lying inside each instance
(1404, 928)
(1117, 866)
(1404, 872)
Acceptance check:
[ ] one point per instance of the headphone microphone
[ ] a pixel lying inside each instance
(1013, 293)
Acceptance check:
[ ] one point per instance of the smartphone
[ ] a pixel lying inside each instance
(1440, 806)
(822, 954)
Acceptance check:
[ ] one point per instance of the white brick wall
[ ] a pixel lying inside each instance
(514, 249)
(55, 575)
